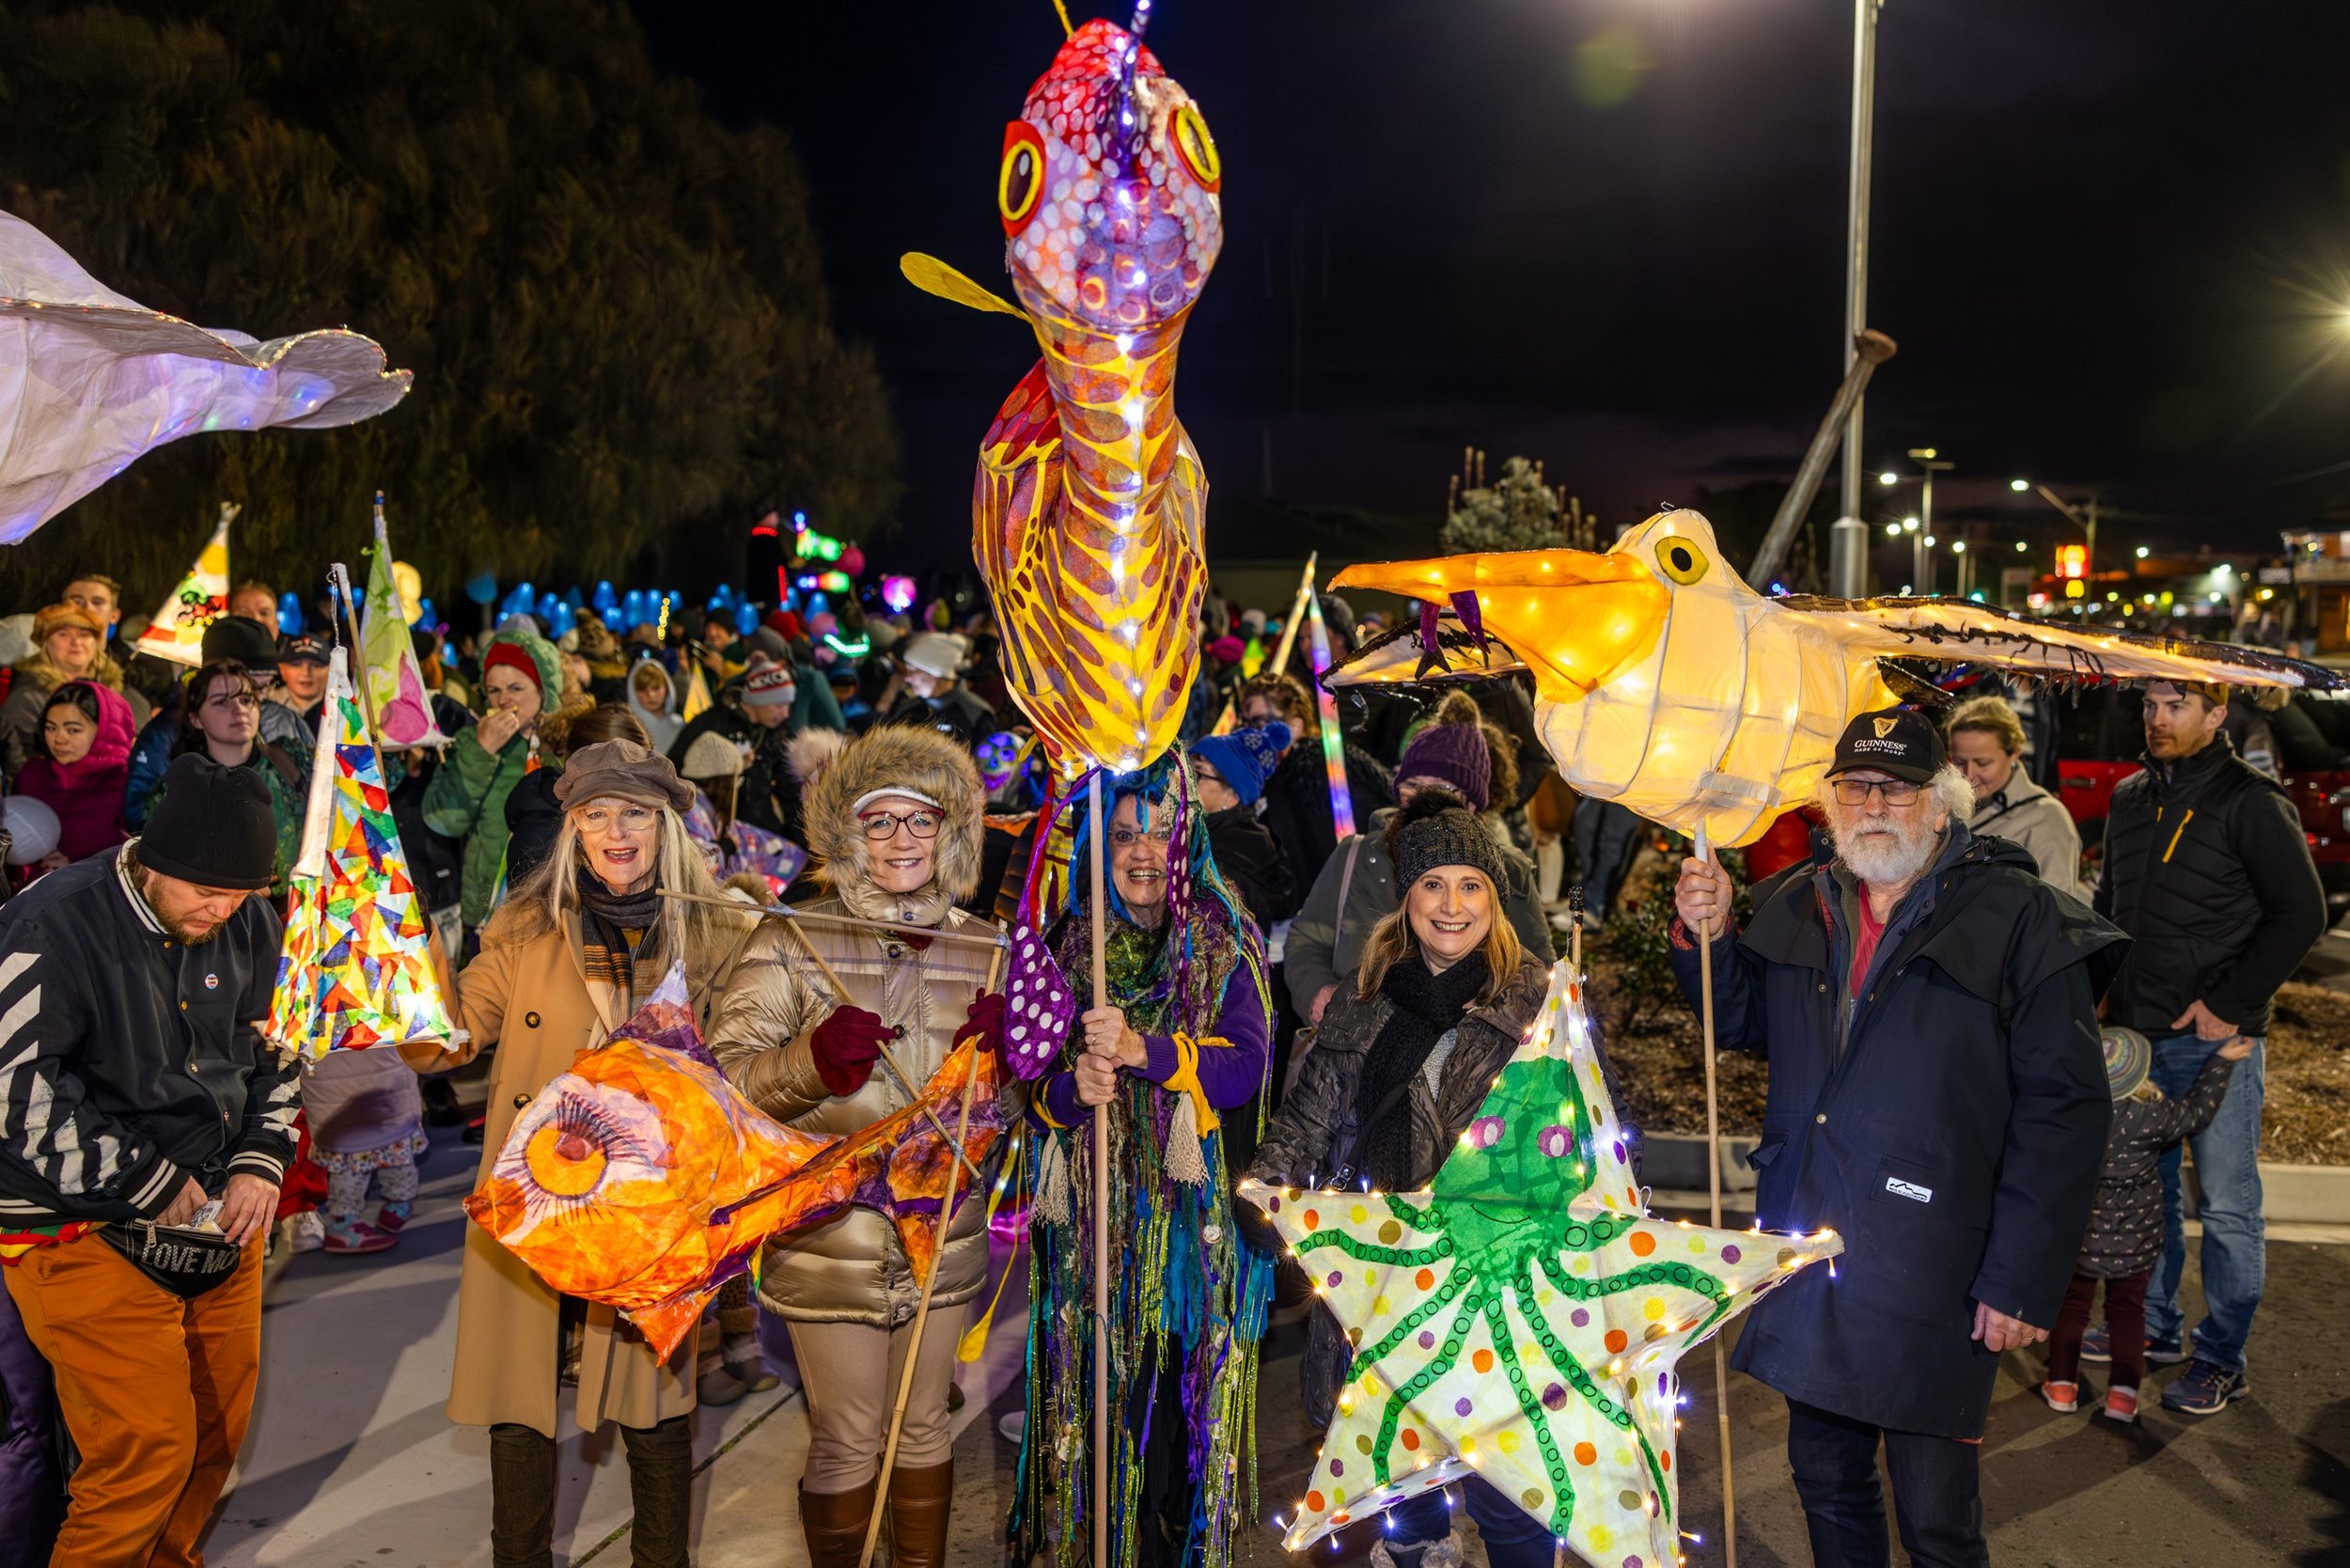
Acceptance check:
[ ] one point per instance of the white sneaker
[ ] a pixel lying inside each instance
(309, 1229)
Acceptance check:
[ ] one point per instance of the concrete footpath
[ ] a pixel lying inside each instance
(350, 1462)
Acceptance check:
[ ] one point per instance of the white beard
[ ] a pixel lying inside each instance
(1889, 859)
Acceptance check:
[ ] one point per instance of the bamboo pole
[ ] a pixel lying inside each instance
(1714, 1196)
(930, 1282)
(913, 1090)
(1101, 1496)
(1280, 660)
(990, 938)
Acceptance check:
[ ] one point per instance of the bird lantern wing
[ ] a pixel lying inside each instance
(1949, 631)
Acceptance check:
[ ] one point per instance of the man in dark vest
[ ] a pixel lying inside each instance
(2207, 868)
(1937, 1097)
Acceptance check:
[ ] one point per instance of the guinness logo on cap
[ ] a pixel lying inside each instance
(1883, 727)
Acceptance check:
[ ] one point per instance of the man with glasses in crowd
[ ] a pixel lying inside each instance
(1938, 1098)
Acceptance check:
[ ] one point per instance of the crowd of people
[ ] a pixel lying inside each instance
(1284, 1001)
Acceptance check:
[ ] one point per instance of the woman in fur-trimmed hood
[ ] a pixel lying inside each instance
(894, 828)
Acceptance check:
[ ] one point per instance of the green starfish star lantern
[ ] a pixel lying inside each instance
(1519, 1320)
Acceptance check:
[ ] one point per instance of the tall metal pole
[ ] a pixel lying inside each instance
(1848, 557)
(1925, 537)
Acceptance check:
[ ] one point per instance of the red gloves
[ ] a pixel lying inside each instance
(984, 1023)
(846, 1045)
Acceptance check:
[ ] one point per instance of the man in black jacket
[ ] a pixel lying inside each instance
(1937, 1097)
(135, 1086)
(2206, 867)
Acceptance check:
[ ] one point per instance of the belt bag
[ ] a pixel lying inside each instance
(183, 1260)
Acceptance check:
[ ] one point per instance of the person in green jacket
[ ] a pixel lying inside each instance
(522, 681)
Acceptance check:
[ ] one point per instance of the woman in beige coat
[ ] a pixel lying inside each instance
(563, 963)
(894, 824)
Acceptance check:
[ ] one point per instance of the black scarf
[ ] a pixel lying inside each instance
(1425, 1005)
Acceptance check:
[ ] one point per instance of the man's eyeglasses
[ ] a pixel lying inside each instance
(884, 824)
(1897, 791)
(1126, 837)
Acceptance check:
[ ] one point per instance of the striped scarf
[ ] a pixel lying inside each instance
(619, 961)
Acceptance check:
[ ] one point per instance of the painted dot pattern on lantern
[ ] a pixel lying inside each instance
(1516, 1309)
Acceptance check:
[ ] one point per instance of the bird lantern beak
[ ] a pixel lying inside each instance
(1575, 619)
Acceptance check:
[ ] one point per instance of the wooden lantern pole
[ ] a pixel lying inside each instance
(930, 1282)
(1713, 1194)
(1100, 1201)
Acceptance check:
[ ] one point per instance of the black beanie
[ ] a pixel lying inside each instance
(214, 826)
(1437, 830)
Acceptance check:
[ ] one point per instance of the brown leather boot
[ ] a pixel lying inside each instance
(835, 1523)
(918, 1516)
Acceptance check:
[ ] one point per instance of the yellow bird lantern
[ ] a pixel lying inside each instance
(1662, 681)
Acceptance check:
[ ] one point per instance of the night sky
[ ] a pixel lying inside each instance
(2112, 241)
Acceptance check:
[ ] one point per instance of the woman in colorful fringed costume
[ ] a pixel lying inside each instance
(1185, 1035)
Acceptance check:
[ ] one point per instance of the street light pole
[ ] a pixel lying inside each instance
(1848, 555)
(1921, 571)
(2086, 524)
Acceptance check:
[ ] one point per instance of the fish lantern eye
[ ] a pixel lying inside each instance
(1020, 181)
(1198, 148)
(1681, 560)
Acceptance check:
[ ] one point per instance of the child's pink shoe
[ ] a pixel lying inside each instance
(2064, 1398)
(2122, 1406)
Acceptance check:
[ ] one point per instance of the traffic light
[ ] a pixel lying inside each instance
(2073, 560)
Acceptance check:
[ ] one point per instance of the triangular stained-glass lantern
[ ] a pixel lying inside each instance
(356, 969)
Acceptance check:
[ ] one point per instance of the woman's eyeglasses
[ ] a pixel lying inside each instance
(1897, 791)
(632, 819)
(1126, 837)
(884, 824)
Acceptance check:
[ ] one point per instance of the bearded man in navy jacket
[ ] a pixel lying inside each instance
(1939, 1098)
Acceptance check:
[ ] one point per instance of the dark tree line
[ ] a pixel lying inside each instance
(615, 308)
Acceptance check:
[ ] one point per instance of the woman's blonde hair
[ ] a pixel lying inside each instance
(1994, 718)
(1392, 941)
(545, 900)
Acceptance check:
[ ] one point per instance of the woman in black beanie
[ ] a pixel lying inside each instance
(1402, 1060)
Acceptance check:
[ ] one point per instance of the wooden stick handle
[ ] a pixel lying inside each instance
(1099, 1500)
(913, 1090)
(988, 937)
(921, 1315)
(1713, 1199)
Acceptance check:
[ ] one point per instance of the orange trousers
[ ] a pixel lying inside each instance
(155, 1390)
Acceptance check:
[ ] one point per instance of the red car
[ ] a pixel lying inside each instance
(2101, 737)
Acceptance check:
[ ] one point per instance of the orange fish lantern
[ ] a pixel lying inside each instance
(641, 1180)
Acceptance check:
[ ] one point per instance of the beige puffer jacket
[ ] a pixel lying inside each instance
(852, 1269)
